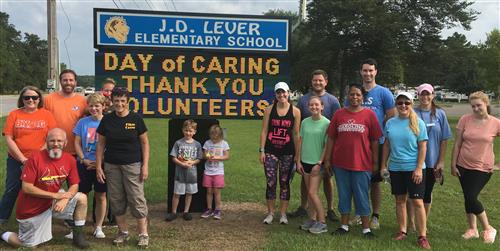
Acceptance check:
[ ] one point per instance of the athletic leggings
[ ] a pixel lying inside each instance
(472, 182)
(274, 165)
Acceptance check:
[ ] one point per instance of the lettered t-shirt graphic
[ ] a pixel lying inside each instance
(279, 135)
(50, 179)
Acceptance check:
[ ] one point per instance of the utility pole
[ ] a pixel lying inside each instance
(53, 43)
(302, 13)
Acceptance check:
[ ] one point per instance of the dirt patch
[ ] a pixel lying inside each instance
(240, 228)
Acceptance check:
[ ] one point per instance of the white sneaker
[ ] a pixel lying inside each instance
(283, 219)
(374, 224)
(99, 234)
(69, 236)
(355, 221)
(269, 219)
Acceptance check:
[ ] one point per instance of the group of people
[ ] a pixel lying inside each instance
(99, 144)
(374, 137)
(52, 141)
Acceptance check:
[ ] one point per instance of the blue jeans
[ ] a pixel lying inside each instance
(353, 184)
(12, 187)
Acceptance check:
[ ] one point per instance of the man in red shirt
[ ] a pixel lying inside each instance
(42, 198)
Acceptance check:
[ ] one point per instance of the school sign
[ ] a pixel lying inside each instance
(192, 65)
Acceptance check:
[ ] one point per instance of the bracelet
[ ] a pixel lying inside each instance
(261, 150)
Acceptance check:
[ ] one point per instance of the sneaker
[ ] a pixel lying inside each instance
(143, 241)
(283, 219)
(399, 236)
(489, 235)
(298, 213)
(187, 216)
(269, 219)
(340, 231)
(98, 233)
(423, 243)
(307, 224)
(318, 228)
(171, 217)
(121, 238)
(369, 235)
(69, 236)
(330, 214)
(217, 214)
(208, 213)
(470, 234)
(374, 224)
(355, 221)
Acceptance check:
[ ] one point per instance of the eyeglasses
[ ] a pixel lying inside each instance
(30, 97)
(407, 103)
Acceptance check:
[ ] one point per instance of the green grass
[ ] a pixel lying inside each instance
(246, 183)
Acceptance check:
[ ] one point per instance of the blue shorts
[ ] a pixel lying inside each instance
(353, 184)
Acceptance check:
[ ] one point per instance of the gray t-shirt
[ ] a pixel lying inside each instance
(183, 150)
(331, 105)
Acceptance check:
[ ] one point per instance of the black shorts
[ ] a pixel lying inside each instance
(430, 180)
(307, 167)
(88, 179)
(376, 174)
(402, 183)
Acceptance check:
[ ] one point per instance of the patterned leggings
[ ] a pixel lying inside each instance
(272, 165)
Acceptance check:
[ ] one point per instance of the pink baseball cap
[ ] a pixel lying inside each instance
(425, 87)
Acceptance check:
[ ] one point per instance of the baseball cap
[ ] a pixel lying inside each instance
(405, 94)
(281, 85)
(425, 87)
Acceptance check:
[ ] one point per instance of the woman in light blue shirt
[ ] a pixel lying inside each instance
(404, 154)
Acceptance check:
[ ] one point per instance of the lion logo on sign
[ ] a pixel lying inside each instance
(117, 28)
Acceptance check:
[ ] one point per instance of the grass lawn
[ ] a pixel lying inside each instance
(243, 196)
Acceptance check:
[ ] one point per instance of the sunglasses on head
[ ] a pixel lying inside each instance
(30, 97)
(407, 103)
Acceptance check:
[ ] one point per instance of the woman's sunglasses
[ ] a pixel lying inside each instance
(30, 97)
(407, 103)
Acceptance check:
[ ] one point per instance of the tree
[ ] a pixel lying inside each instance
(24, 58)
(490, 61)
(347, 31)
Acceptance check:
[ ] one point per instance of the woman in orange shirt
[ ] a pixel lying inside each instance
(473, 161)
(25, 131)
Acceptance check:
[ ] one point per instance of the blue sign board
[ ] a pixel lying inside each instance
(132, 29)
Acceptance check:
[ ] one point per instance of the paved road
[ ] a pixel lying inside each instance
(8, 103)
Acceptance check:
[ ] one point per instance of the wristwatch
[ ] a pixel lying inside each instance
(261, 150)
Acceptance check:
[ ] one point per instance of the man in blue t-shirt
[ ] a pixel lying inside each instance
(381, 101)
(330, 104)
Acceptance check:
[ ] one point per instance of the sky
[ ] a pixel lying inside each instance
(75, 20)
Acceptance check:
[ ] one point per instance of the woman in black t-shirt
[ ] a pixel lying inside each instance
(123, 151)
(280, 130)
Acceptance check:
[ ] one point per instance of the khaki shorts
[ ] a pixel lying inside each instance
(126, 189)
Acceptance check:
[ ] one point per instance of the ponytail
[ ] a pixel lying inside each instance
(413, 121)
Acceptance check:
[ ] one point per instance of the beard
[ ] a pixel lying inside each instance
(55, 153)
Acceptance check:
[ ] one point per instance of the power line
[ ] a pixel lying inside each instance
(148, 4)
(175, 8)
(136, 4)
(165, 4)
(67, 36)
(115, 4)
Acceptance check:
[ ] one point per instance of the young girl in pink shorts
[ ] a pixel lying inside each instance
(216, 151)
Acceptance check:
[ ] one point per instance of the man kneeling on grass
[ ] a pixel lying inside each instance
(41, 199)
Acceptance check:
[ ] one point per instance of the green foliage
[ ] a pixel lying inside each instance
(24, 58)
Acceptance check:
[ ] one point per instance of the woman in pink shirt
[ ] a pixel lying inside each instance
(473, 161)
